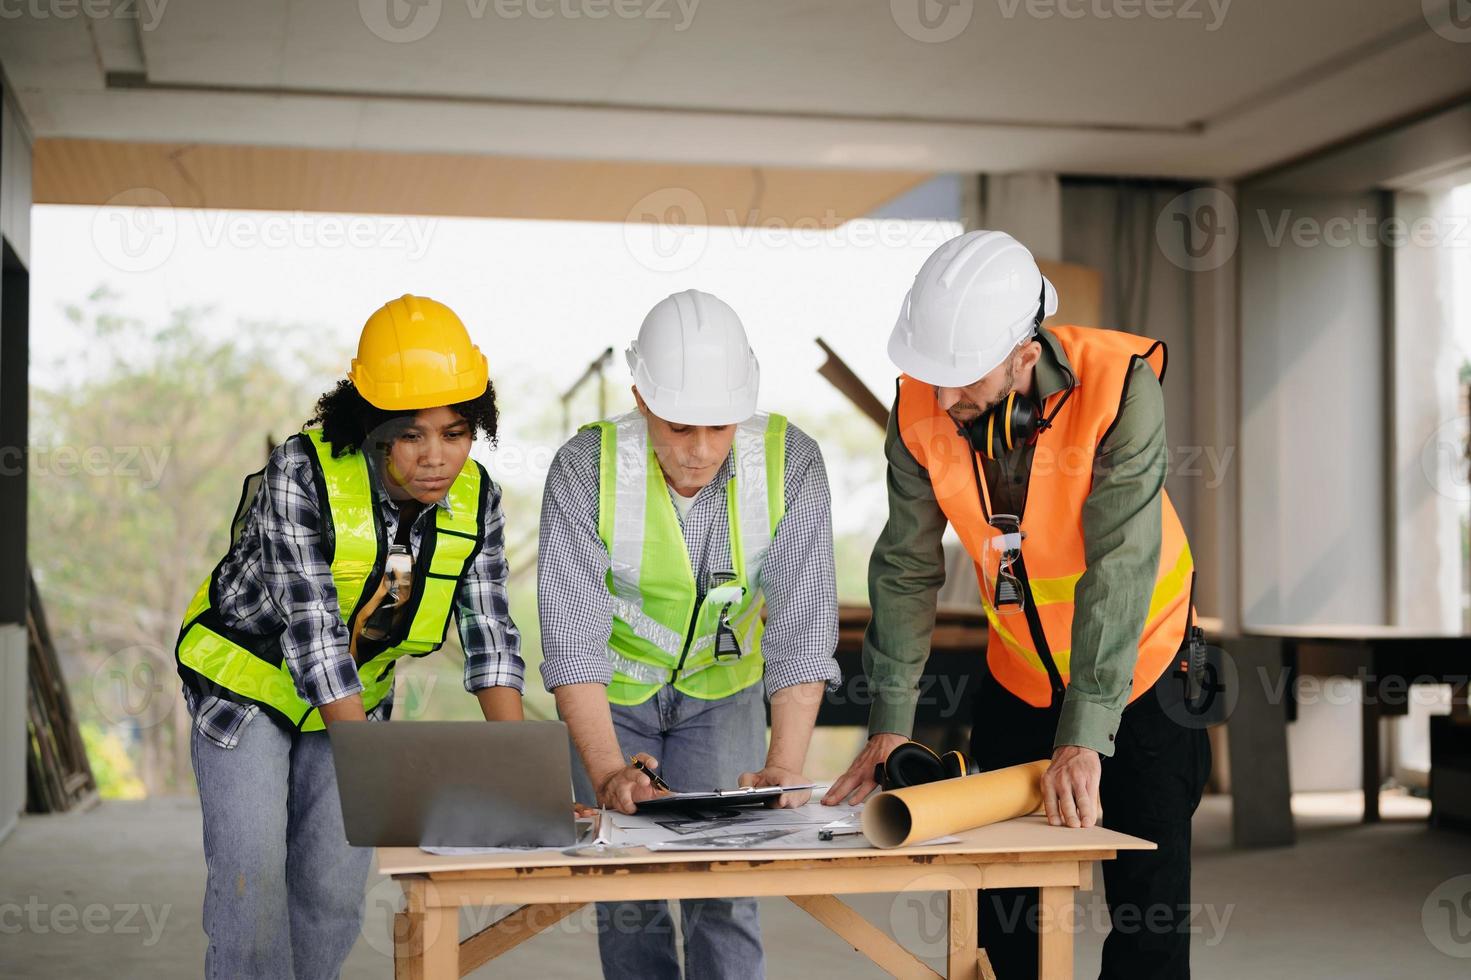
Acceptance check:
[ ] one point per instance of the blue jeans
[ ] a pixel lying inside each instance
(284, 896)
(700, 745)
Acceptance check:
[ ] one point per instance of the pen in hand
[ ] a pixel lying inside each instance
(654, 777)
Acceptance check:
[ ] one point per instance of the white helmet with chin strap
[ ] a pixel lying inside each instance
(692, 364)
(974, 300)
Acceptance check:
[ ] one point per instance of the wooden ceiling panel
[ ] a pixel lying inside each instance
(72, 171)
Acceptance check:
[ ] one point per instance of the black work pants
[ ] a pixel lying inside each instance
(1150, 788)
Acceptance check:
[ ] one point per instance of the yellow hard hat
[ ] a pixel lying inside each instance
(415, 353)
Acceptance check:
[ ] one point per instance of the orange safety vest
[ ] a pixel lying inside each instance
(1025, 644)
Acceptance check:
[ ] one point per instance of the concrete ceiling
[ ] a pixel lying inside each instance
(1180, 88)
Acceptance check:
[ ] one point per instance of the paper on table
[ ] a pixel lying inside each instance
(791, 838)
(762, 830)
(646, 830)
(770, 830)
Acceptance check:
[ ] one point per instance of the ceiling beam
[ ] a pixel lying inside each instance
(71, 171)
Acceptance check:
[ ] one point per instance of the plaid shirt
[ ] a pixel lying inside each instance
(798, 576)
(276, 578)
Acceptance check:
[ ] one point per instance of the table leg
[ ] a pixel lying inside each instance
(1372, 775)
(441, 946)
(1055, 932)
(964, 953)
(408, 946)
(1261, 792)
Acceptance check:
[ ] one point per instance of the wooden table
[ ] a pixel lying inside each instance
(551, 886)
(1386, 659)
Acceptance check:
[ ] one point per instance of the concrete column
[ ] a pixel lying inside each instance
(1428, 428)
(1215, 389)
(15, 209)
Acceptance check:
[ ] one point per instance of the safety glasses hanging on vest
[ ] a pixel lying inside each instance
(384, 611)
(1005, 550)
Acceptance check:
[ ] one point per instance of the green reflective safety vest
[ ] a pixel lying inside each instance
(662, 632)
(214, 659)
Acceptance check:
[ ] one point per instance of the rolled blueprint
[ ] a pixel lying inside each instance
(920, 813)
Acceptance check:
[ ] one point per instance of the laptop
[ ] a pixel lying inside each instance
(454, 783)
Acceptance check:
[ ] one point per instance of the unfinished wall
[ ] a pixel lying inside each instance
(1314, 409)
(1110, 226)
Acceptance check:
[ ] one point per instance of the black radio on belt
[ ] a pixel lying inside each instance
(1195, 692)
(1195, 669)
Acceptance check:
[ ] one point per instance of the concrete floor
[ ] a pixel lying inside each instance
(115, 893)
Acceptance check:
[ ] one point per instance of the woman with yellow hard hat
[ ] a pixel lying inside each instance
(352, 548)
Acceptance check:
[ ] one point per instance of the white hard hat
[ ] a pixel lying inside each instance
(691, 362)
(974, 300)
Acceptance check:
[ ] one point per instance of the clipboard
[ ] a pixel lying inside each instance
(717, 799)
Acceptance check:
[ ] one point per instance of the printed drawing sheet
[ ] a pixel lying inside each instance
(759, 829)
(748, 828)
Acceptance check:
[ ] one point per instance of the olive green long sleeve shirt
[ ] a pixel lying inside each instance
(1121, 532)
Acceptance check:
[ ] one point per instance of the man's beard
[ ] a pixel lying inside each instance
(967, 407)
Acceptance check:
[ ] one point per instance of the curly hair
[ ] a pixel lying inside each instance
(348, 419)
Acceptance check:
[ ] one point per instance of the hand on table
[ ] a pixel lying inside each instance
(1070, 787)
(855, 785)
(780, 776)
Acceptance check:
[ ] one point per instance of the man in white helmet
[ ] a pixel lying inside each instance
(1045, 449)
(664, 534)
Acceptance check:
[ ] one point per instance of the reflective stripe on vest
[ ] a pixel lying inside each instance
(215, 659)
(659, 636)
(1053, 548)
